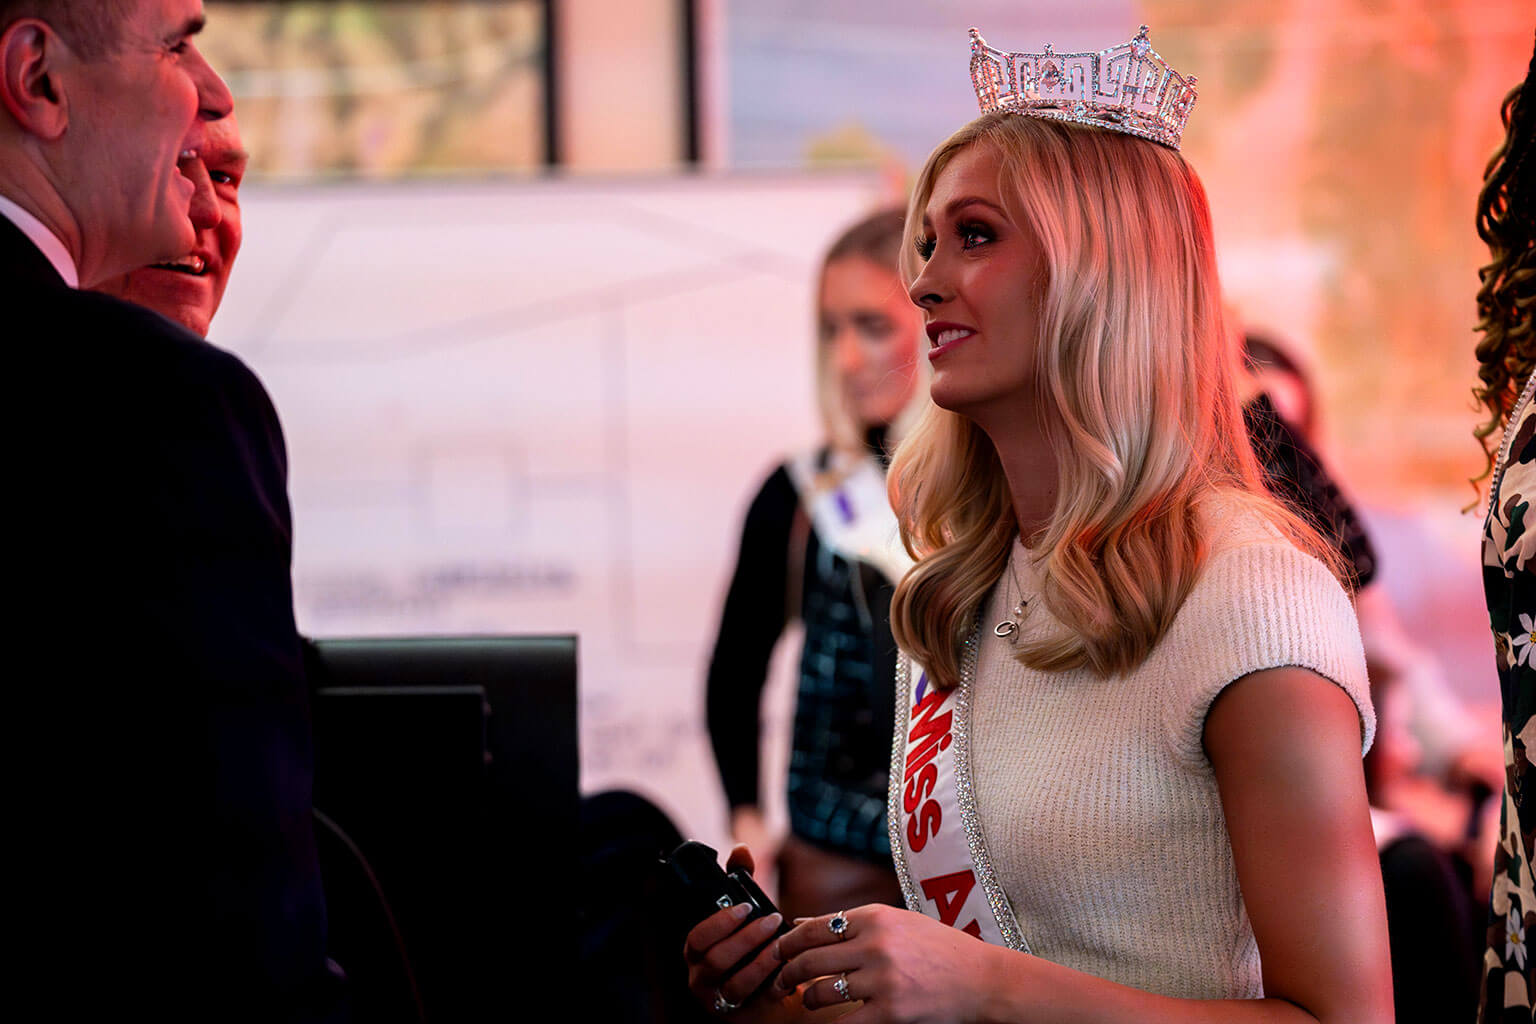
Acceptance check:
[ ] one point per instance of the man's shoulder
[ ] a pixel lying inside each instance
(104, 336)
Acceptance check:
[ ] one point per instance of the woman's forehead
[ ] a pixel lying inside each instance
(972, 173)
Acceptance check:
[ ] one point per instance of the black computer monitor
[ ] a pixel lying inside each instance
(450, 765)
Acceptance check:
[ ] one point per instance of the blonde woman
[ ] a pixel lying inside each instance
(1132, 700)
(819, 546)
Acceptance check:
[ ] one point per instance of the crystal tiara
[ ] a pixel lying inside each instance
(1127, 88)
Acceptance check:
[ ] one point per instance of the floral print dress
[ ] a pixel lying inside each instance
(1509, 582)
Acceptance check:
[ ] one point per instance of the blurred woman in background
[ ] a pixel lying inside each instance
(819, 545)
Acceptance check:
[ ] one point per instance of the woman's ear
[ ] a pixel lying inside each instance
(30, 87)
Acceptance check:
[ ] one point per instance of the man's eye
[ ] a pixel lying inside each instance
(222, 178)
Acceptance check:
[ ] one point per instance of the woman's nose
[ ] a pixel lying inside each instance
(847, 354)
(926, 290)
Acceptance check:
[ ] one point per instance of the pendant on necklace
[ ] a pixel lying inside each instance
(1008, 629)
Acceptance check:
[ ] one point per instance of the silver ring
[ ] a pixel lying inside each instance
(724, 1005)
(839, 924)
(840, 986)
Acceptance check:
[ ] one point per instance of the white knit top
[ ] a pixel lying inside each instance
(1097, 802)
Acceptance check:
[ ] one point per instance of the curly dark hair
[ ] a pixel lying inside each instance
(1506, 302)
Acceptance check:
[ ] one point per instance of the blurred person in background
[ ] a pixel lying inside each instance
(1506, 354)
(819, 545)
(1434, 924)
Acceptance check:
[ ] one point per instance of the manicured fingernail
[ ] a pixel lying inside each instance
(778, 951)
(801, 920)
(741, 910)
(772, 921)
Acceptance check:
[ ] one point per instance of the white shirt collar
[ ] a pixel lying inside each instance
(46, 241)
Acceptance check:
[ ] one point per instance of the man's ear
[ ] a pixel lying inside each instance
(30, 52)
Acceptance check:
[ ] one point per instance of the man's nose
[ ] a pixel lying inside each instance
(205, 210)
(214, 100)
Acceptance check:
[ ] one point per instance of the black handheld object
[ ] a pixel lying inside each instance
(702, 887)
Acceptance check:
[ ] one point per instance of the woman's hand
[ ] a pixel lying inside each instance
(716, 948)
(904, 967)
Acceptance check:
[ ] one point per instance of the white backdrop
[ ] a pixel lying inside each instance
(534, 407)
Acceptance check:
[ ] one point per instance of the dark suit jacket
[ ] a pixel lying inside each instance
(162, 758)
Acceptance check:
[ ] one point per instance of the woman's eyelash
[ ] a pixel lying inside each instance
(966, 232)
(969, 234)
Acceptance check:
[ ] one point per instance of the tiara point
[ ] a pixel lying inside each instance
(1127, 88)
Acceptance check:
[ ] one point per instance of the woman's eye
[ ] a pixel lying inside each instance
(924, 247)
(221, 177)
(874, 328)
(972, 235)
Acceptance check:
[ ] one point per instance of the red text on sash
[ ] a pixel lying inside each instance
(931, 734)
(949, 893)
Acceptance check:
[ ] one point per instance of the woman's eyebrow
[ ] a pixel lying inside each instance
(964, 201)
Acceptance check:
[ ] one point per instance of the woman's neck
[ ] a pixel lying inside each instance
(1030, 466)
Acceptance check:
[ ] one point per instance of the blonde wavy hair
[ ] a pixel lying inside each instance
(1138, 373)
(1506, 300)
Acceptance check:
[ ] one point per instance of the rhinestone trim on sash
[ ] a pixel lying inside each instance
(893, 816)
(970, 818)
(970, 821)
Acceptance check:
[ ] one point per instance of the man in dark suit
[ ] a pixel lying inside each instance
(160, 760)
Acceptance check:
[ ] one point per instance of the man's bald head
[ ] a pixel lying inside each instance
(94, 28)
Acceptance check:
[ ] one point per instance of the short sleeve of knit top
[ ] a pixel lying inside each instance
(1259, 604)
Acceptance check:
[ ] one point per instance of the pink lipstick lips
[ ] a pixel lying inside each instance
(946, 336)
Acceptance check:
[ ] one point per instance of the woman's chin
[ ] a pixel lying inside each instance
(953, 396)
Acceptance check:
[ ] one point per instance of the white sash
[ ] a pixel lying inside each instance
(853, 518)
(936, 840)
